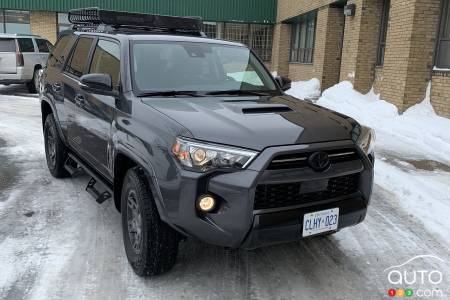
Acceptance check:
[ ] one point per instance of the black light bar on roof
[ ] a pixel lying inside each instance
(96, 16)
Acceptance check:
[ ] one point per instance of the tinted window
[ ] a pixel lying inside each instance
(42, 45)
(26, 45)
(62, 47)
(79, 56)
(106, 60)
(7, 45)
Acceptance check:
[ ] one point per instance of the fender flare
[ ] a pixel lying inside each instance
(150, 174)
(55, 115)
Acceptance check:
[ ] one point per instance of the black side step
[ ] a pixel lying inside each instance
(99, 197)
(97, 187)
(72, 167)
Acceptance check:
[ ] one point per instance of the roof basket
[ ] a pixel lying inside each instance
(93, 16)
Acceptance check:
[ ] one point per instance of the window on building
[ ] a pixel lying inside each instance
(443, 50)
(63, 22)
(261, 40)
(211, 29)
(303, 38)
(383, 32)
(15, 21)
(79, 57)
(237, 32)
(256, 36)
(106, 60)
(25, 45)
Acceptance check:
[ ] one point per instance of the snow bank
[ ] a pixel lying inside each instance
(305, 89)
(418, 133)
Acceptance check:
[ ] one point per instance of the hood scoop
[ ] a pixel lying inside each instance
(265, 109)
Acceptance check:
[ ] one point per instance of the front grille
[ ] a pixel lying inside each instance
(289, 194)
(300, 160)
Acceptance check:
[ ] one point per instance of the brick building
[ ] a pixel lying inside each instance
(394, 46)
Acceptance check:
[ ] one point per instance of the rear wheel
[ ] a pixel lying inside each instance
(55, 150)
(33, 85)
(150, 244)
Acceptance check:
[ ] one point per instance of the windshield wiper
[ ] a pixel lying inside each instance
(238, 92)
(170, 93)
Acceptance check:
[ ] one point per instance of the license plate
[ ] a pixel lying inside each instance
(320, 221)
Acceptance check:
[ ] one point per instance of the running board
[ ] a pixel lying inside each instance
(97, 187)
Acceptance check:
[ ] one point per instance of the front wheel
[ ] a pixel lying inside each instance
(55, 150)
(150, 244)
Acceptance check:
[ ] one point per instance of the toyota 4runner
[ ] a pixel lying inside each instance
(193, 137)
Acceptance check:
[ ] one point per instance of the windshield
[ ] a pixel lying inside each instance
(161, 66)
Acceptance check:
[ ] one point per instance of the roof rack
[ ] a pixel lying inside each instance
(96, 19)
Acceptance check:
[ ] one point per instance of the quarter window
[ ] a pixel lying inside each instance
(25, 45)
(383, 32)
(106, 60)
(443, 52)
(79, 57)
(303, 39)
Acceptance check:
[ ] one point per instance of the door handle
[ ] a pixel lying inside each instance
(56, 87)
(79, 100)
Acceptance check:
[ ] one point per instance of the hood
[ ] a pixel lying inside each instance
(254, 122)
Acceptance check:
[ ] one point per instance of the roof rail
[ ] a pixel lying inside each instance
(92, 17)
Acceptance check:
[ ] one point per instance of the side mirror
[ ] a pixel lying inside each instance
(283, 82)
(97, 83)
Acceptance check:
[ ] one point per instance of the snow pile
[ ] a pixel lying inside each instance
(305, 89)
(417, 133)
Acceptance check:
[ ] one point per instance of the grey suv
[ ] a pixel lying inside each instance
(193, 137)
(22, 57)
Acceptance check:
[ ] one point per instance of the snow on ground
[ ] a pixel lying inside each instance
(56, 242)
(416, 135)
(305, 89)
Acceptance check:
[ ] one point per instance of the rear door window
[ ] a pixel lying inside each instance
(79, 57)
(7, 45)
(42, 45)
(25, 45)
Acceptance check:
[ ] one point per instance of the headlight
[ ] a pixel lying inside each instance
(366, 139)
(202, 157)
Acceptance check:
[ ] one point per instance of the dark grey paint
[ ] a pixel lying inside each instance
(100, 127)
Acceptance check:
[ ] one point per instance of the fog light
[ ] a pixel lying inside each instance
(206, 203)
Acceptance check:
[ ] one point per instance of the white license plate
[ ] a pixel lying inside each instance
(320, 221)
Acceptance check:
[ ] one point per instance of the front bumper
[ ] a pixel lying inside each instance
(237, 223)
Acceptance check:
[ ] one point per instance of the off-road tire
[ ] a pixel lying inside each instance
(159, 242)
(33, 86)
(55, 157)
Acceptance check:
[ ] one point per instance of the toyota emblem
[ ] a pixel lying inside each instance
(319, 161)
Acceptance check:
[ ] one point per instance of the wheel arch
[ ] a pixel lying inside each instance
(123, 161)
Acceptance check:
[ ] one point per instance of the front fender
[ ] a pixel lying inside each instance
(149, 171)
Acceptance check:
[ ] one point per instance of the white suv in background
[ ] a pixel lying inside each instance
(22, 57)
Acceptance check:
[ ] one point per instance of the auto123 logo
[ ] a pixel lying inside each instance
(420, 276)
